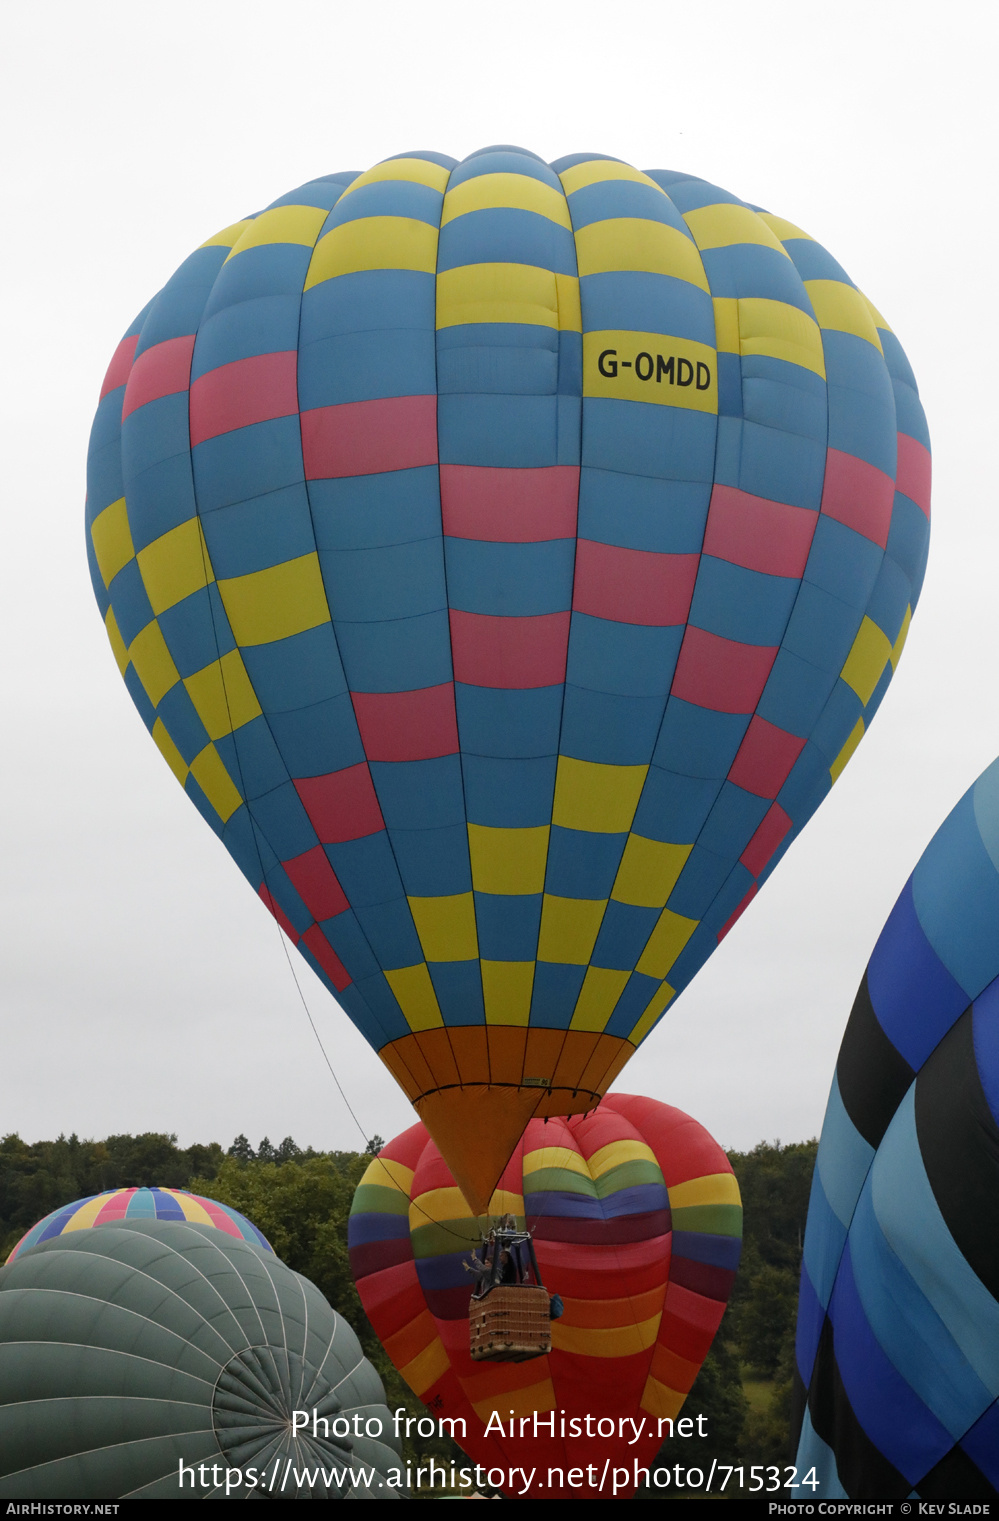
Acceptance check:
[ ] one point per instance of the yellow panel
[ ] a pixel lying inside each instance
(285, 224)
(153, 664)
(621, 243)
(783, 229)
(842, 309)
(438, 1205)
(712, 1188)
(215, 782)
(569, 928)
(780, 331)
(222, 695)
(554, 1156)
(726, 324)
(446, 927)
(112, 540)
(855, 736)
(628, 366)
(374, 243)
(592, 796)
(415, 996)
(661, 1402)
(616, 1153)
(175, 565)
(903, 634)
(653, 1010)
(178, 765)
(605, 1341)
(570, 316)
(665, 943)
(602, 987)
(521, 1402)
(423, 1371)
(724, 225)
(276, 603)
(867, 659)
(648, 871)
(876, 316)
(117, 642)
(383, 1172)
(497, 293)
(521, 192)
(508, 860)
(596, 170)
(507, 988)
(229, 235)
(419, 171)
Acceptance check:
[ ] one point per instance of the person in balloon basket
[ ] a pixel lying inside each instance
(507, 1258)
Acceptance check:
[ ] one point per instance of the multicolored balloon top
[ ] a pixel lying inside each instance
(507, 559)
(637, 1225)
(898, 1317)
(140, 1204)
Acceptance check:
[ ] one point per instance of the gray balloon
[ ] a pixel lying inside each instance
(169, 1360)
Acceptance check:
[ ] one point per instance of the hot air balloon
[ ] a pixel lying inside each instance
(507, 559)
(637, 1226)
(161, 1359)
(140, 1204)
(898, 1317)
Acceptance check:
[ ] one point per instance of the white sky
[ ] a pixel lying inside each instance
(142, 986)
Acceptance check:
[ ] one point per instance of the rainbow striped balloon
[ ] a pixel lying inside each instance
(140, 1204)
(637, 1225)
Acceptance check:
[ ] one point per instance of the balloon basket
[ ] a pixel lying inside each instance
(510, 1324)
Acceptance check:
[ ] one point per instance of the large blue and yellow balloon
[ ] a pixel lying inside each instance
(507, 558)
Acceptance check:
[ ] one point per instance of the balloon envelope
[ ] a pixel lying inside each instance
(128, 1351)
(898, 1318)
(140, 1204)
(637, 1224)
(507, 558)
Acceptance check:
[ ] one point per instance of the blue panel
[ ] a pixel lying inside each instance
(644, 438)
(622, 198)
(752, 269)
(844, 1158)
(365, 366)
(700, 881)
(955, 890)
(284, 822)
(503, 160)
(623, 936)
(248, 462)
(256, 534)
(388, 198)
(581, 864)
(347, 938)
(632, 300)
(256, 762)
(837, 721)
(132, 610)
(821, 629)
(810, 1318)
(915, 997)
(812, 262)
(784, 396)
(268, 325)
(295, 672)
(389, 930)
(496, 370)
(806, 786)
(863, 425)
(160, 498)
(729, 385)
(612, 730)
(433, 862)
(193, 791)
(985, 1027)
(420, 794)
(267, 270)
(505, 235)
(508, 926)
(740, 604)
(688, 193)
(366, 871)
(556, 989)
(154, 432)
(627, 658)
(728, 898)
(184, 726)
(643, 512)
(782, 466)
(362, 511)
(733, 821)
(638, 994)
(320, 738)
(510, 580)
(516, 336)
(702, 944)
(507, 722)
(178, 308)
(458, 985)
(368, 300)
(899, 367)
(825, 1238)
(673, 807)
(509, 794)
(105, 483)
(908, 537)
(698, 742)
(388, 582)
(251, 854)
(795, 694)
(378, 996)
(322, 193)
(981, 1444)
(398, 655)
(519, 431)
(287, 899)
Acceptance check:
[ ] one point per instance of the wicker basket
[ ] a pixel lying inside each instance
(510, 1324)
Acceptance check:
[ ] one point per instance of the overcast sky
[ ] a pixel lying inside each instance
(143, 987)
